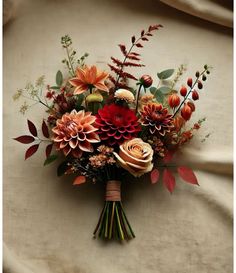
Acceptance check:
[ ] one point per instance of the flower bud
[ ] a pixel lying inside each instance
(95, 97)
(186, 112)
(199, 85)
(190, 82)
(204, 77)
(191, 105)
(146, 81)
(173, 100)
(183, 91)
(195, 95)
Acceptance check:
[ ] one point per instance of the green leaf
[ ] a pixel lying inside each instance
(50, 159)
(159, 96)
(153, 90)
(165, 74)
(55, 87)
(59, 78)
(164, 90)
(62, 168)
(79, 100)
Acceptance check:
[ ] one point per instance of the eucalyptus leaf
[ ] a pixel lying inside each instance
(59, 78)
(159, 96)
(55, 87)
(153, 90)
(165, 74)
(79, 101)
(50, 159)
(164, 90)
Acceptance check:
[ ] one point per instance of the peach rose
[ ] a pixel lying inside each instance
(135, 156)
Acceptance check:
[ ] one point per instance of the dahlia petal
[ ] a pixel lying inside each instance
(80, 89)
(77, 153)
(86, 146)
(75, 82)
(80, 74)
(92, 75)
(63, 144)
(101, 86)
(58, 138)
(81, 136)
(87, 128)
(93, 137)
(73, 143)
(66, 150)
(102, 76)
(88, 120)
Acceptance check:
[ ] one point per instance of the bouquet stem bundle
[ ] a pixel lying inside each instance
(113, 222)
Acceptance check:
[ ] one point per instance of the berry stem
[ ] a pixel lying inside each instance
(189, 92)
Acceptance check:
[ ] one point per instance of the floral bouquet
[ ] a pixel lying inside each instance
(107, 128)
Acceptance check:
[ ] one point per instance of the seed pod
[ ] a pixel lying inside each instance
(186, 112)
(146, 81)
(183, 91)
(204, 77)
(208, 72)
(195, 95)
(190, 82)
(199, 85)
(197, 74)
(174, 100)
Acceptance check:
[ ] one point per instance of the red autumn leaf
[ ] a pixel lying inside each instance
(32, 128)
(25, 139)
(155, 174)
(168, 180)
(48, 150)
(32, 149)
(168, 156)
(45, 129)
(187, 175)
(123, 49)
(79, 180)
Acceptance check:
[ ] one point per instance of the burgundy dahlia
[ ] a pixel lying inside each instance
(116, 124)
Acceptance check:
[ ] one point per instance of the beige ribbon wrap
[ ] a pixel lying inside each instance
(113, 190)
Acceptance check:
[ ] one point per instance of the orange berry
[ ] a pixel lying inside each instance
(183, 91)
(190, 82)
(191, 105)
(173, 100)
(195, 95)
(186, 112)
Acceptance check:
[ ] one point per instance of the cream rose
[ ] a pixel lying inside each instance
(135, 156)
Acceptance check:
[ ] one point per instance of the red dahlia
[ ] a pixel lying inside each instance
(116, 124)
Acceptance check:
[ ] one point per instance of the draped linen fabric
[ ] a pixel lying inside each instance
(48, 223)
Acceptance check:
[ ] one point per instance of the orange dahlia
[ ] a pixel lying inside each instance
(156, 118)
(88, 78)
(74, 133)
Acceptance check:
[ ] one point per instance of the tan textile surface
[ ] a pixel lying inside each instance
(217, 11)
(47, 222)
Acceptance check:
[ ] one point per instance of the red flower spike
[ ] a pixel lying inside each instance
(155, 174)
(187, 175)
(25, 139)
(195, 95)
(190, 82)
(79, 180)
(32, 150)
(183, 91)
(169, 180)
(32, 128)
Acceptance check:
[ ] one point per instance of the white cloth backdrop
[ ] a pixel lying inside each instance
(47, 222)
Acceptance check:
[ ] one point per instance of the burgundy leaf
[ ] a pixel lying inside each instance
(142, 32)
(25, 139)
(134, 53)
(116, 61)
(48, 150)
(132, 64)
(79, 180)
(168, 156)
(168, 180)
(139, 45)
(187, 175)
(45, 129)
(155, 174)
(128, 75)
(115, 69)
(149, 34)
(133, 39)
(32, 149)
(144, 39)
(32, 128)
(133, 57)
(112, 79)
